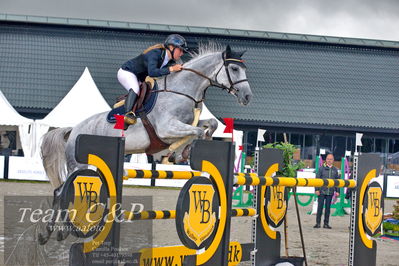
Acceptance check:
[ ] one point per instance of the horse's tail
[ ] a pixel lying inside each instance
(53, 155)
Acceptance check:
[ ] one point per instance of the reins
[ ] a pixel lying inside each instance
(215, 83)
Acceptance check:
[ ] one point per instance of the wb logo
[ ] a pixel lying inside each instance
(202, 204)
(278, 196)
(200, 219)
(89, 195)
(374, 202)
(86, 204)
(373, 208)
(276, 205)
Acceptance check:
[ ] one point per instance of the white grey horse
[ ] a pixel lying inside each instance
(171, 116)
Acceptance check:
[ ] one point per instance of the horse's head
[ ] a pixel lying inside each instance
(233, 76)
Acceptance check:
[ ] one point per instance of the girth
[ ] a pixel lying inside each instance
(156, 144)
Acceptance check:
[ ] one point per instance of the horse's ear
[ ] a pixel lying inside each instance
(228, 51)
(240, 53)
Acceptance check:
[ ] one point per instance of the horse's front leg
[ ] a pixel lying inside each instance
(210, 125)
(175, 129)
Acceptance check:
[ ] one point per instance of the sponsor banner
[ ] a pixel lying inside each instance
(26, 168)
(392, 186)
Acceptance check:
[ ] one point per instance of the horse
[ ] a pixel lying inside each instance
(171, 116)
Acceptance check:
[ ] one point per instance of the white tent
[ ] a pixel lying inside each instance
(81, 102)
(10, 118)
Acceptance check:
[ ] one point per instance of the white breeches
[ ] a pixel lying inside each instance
(128, 80)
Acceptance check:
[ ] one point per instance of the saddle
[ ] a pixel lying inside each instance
(145, 102)
(144, 95)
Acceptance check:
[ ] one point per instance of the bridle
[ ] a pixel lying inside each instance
(232, 90)
(212, 82)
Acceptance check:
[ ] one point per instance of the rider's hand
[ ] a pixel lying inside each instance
(317, 193)
(175, 68)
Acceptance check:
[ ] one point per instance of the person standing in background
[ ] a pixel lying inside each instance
(325, 194)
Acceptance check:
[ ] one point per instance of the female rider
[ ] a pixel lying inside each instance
(157, 60)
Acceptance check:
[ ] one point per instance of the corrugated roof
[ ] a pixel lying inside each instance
(294, 82)
(200, 30)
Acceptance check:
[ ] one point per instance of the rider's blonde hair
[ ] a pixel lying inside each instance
(155, 46)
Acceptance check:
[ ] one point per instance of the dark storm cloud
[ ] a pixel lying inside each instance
(347, 18)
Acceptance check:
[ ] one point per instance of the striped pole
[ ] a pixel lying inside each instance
(238, 212)
(253, 180)
(150, 215)
(171, 214)
(131, 173)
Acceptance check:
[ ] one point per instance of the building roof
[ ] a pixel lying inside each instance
(300, 80)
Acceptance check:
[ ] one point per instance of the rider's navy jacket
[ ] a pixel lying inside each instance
(148, 64)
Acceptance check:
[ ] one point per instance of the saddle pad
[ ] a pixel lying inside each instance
(147, 106)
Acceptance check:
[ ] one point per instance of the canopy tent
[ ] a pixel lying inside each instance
(10, 118)
(81, 102)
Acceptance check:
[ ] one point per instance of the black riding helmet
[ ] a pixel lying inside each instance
(177, 41)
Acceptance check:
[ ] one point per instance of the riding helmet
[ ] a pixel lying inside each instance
(177, 41)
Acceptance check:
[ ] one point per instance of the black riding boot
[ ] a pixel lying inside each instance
(130, 116)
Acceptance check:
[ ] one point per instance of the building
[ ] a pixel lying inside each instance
(319, 90)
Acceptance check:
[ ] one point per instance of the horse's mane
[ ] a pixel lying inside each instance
(205, 49)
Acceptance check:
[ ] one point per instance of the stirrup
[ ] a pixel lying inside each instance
(130, 119)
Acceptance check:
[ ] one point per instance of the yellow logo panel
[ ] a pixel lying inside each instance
(276, 206)
(86, 211)
(197, 213)
(199, 221)
(373, 208)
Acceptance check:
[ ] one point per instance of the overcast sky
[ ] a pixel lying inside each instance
(370, 19)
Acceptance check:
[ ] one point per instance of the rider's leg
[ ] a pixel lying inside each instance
(130, 116)
(129, 81)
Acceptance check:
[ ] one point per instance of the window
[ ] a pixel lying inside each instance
(269, 137)
(380, 145)
(280, 137)
(368, 145)
(309, 150)
(297, 140)
(339, 146)
(326, 143)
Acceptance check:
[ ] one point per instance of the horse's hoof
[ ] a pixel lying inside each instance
(172, 157)
(62, 235)
(186, 152)
(41, 239)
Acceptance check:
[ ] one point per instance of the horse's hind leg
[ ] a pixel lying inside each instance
(44, 237)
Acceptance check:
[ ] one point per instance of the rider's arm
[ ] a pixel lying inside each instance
(152, 58)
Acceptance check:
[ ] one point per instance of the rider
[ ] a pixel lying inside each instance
(157, 60)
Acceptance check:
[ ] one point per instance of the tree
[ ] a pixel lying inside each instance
(289, 165)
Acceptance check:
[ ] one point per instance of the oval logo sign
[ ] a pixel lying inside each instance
(373, 205)
(84, 204)
(276, 198)
(197, 213)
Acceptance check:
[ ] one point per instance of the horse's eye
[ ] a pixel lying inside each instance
(234, 68)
